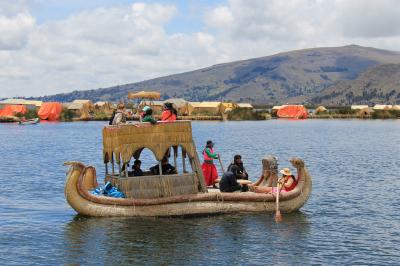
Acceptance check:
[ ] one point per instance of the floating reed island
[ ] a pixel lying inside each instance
(182, 193)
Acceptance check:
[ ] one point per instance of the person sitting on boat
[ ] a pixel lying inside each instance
(209, 170)
(136, 171)
(286, 183)
(166, 168)
(169, 112)
(229, 182)
(120, 116)
(241, 171)
(147, 115)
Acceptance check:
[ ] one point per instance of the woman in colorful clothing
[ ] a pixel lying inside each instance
(169, 113)
(286, 183)
(209, 170)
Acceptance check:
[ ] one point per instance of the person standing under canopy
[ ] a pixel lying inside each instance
(209, 170)
(169, 112)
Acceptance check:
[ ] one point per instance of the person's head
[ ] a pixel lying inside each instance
(169, 106)
(147, 110)
(285, 172)
(121, 106)
(237, 159)
(137, 163)
(164, 160)
(210, 144)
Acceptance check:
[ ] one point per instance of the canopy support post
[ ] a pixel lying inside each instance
(112, 165)
(106, 166)
(183, 160)
(160, 168)
(175, 148)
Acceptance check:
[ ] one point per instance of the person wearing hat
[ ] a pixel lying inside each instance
(241, 172)
(209, 170)
(169, 112)
(119, 116)
(147, 115)
(286, 183)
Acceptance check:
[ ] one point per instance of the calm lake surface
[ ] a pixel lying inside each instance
(352, 217)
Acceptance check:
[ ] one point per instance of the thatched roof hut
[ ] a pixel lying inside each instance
(382, 107)
(208, 108)
(245, 106)
(181, 105)
(320, 109)
(358, 107)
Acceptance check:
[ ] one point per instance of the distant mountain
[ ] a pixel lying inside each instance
(379, 84)
(302, 76)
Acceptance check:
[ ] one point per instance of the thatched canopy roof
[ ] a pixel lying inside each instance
(154, 95)
(123, 141)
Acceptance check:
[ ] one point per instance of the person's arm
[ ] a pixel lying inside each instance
(212, 155)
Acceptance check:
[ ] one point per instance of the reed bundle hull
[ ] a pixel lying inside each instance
(81, 179)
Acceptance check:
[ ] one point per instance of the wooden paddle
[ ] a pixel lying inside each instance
(220, 163)
(278, 216)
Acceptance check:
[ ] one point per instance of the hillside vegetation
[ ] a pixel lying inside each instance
(319, 75)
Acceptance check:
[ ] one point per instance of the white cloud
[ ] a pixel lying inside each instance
(109, 46)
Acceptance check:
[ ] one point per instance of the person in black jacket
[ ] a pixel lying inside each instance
(229, 182)
(240, 171)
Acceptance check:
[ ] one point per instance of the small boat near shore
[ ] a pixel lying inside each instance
(178, 194)
(29, 121)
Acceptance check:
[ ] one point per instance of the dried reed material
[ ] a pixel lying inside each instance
(201, 203)
(153, 95)
(124, 140)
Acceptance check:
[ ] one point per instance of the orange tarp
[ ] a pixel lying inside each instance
(50, 111)
(12, 109)
(293, 111)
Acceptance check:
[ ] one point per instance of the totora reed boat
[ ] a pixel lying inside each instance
(179, 194)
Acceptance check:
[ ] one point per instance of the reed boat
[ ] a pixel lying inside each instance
(184, 193)
(29, 121)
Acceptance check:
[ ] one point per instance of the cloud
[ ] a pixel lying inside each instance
(108, 46)
(15, 26)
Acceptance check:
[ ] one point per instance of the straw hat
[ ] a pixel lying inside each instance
(285, 171)
(120, 106)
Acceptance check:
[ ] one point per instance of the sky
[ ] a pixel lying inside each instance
(57, 46)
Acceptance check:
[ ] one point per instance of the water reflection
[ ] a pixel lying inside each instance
(183, 240)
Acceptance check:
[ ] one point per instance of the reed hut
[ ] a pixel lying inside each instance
(104, 107)
(181, 105)
(275, 109)
(382, 107)
(320, 109)
(245, 106)
(227, 107)
(206, 108)
(358, 107)
(81, 108)
(365, 113)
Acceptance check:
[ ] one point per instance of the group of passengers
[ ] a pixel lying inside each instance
(166, 168)
(236, 171)
(169, 114)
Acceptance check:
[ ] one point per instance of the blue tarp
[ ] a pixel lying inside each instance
(108, 190)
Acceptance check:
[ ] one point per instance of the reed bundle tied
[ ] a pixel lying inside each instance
(124, 140)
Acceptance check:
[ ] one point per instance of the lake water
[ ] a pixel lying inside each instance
(352, 217)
